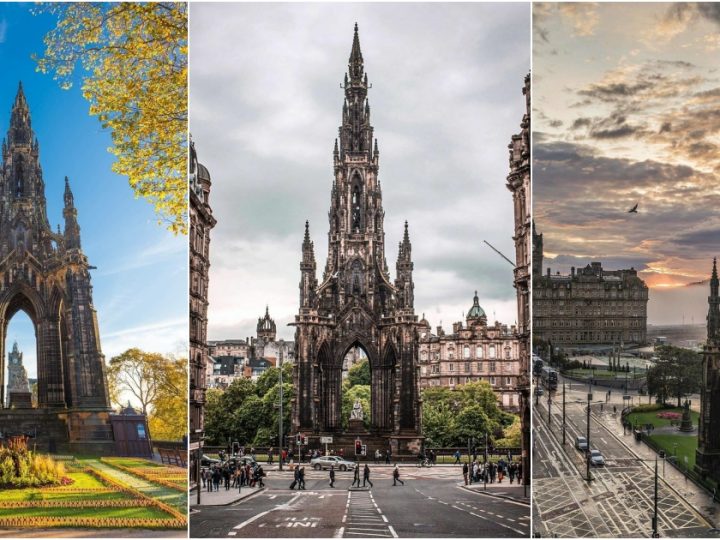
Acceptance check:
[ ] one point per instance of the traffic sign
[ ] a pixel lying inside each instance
(326, 440)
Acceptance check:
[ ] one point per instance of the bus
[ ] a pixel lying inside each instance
(549, 378)
(537, 365)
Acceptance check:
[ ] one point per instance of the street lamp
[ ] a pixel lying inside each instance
(563, 414)
(280, 420)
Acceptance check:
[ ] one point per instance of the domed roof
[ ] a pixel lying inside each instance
(476, 311)
(424, 321)
(202, 172)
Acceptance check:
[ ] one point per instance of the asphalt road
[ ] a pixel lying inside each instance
(618, 502)
(430, 504)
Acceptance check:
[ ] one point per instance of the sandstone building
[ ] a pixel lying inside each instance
(589, 308)
(518, 182)
(201, 223)
(473, 352)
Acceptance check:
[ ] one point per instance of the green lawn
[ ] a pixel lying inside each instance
(686, 446)
(651, 417)
(129, 462)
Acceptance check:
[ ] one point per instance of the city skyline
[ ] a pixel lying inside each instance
(268, 146)
(625, 111)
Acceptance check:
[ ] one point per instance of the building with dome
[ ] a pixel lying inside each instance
(474, 351)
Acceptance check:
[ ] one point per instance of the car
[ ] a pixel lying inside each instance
(581, 443)
(539, 391)
(596, 458)
(241, 460)
(325, 462)
(209, 462)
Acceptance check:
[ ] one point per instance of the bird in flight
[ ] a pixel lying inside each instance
(633, 210)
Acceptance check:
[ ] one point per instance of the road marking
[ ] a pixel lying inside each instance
(271, 496)
(261, 514)
(232, 533)
(392, 531)
(339, 532)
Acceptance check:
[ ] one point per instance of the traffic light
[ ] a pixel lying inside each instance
(298, 439)
(303, 439)
(358, 447)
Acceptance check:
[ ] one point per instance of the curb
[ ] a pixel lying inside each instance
(246, 497)
(506, 497)
(692, 506)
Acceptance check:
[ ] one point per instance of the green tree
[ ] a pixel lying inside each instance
(134, 57)
(359, 374)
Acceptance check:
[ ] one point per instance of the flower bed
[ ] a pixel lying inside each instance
(115, 523)
(89, 503)
(669, 415)
(169, 479)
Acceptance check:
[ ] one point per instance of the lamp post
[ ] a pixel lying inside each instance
(563, 414)
(485, 471)
(280, 420)
(655, 533)
(549, 408)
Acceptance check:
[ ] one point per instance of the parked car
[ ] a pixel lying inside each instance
(581, 443)
(539, 391)
(596, 458)
(241, 460)
(325, 462)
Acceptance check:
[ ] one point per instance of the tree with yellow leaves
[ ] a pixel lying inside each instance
(134, 57)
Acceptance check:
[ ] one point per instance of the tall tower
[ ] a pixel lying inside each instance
(266, 329)
(47, 275)
(707, 462)
(356, 304)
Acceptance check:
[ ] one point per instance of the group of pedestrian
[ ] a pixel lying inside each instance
(490, 472)
(379, 456)
(365, 476)
(232, 475)
(298, 479)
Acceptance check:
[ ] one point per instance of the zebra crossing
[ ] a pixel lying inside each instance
(363, 518)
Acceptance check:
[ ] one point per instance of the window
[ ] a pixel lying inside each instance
(451, 367)
(479, 351)
(466, 352)
(491, 351)
(493, 367)
(508, 381)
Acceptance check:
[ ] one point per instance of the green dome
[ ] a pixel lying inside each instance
(475, 311)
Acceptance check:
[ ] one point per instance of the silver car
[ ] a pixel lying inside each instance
(325, 462)
(596, 458)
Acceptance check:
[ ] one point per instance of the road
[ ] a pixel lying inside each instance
(618, 502)
(432, 503)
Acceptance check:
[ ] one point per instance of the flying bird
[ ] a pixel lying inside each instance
(633, 210)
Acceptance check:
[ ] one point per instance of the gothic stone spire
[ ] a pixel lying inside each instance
(72, 228)
(713, 318)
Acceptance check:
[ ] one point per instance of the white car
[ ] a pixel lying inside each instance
(325, 462)
(596, 458)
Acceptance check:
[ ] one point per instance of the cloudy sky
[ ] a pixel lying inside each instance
(626, 105)
(140, 284)
(265, 109)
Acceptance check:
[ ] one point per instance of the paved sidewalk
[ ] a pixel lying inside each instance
(504, 490)
(223, 497)
(693, 494)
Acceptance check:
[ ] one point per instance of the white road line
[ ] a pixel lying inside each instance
(392, 531)
(384, 518)
(261, 514)
(339, 532)
(232, 533)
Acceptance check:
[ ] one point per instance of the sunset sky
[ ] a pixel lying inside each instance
(626, 101)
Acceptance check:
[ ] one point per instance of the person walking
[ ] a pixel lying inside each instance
(396, 476)
(216, 479)
(296, 479)
(465, 473)
(261, 475)
(457, 457)
(356, 477)
(378, 455)
(302, 478)
(387, 457)
(366, 476)
(332, 476)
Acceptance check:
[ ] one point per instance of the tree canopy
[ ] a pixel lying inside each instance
(158, 383)
(134, 60)
(677, 372)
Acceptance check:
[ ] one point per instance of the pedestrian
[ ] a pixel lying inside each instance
(216, 479)
(519, 472)
(226, 478)
(457, 457)
(332, 476)
(261, 474)
(378, 455)
(396, 476)
(202, 477)
(465, 473)
(302, 477)
(296, 479)
(356, 477)
(366, 476)
(387, 457)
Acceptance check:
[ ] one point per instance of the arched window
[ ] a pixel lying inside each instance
(466, 351)
(356, 206)
(491, 351)
(478, 352)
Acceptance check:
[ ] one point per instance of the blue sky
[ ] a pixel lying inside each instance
(140, 285)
